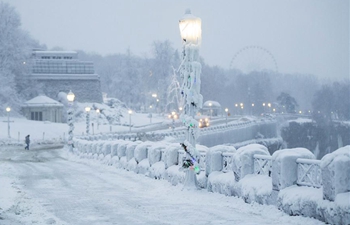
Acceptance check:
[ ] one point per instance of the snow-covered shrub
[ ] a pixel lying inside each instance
(284, 170)
(157, 170)
(243, 160)
(213, 160)
(142, 167)
(131, 165)
(174, 175)
(256, 188)
(297, 201)
(337, 212)
(223, 183)
(336, 172)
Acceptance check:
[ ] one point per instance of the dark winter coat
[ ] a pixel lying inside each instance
(27, 139)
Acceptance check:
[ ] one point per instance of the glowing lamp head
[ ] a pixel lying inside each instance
(70, 96)
(87, 109)
(226, 110)
(8, 109)
(130, 111)
(190, 28)
(97, 111)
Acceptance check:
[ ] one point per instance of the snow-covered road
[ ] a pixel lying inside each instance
(51, 187)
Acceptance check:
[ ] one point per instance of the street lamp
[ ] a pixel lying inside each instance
(211, 110)
(70, 98)
(191, 31)
(8, 109)
(87, 110)
(130, 112)
(173, 116)
(226, 110)
(98, 111)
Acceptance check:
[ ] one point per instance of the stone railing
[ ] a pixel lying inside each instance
(309, 173)
(262, 164)
(285, 168)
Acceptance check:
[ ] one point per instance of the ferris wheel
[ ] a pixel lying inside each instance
(254, 58)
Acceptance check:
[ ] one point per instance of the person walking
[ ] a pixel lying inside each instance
(27, 140)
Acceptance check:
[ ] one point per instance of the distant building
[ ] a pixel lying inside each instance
(43, 108)
(211, 108)
(61, 71)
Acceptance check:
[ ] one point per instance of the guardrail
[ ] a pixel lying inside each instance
(227, 161)
(262, 164)
(309, 173)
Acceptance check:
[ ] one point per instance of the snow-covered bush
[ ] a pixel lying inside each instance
(337, 212)
(243, 160)
(284, 170)
(256, 188)
(223, 183)
(174, 175)
(336, 172)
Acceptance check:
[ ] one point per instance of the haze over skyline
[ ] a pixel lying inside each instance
(309, 37)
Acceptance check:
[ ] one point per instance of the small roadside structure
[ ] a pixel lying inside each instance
(43, 108)
(211, 108)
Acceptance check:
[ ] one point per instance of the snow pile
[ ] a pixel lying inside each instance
(223, 183)
(296, 200)
(170, 156)
(336, 172)
(256, 188)
(284, 170)
(243, 161)
(157, 169)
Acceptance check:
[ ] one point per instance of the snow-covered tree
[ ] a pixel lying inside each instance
(15, 49)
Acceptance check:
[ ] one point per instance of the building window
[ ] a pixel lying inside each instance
(36, 116)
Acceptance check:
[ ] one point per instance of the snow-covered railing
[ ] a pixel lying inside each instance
(309, 173)
(162, 155)
(202, 158)
(227, 160)
(262, 164)
(181, 157)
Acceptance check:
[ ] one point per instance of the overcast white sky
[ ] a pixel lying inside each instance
(304, 36)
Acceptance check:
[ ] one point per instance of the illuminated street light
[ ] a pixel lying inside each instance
(8, 109)
(70, 98)
(191, 34)
(87, 110)
(226, 110)
(130, 112)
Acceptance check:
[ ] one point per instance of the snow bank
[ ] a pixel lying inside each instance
(336, 172)
(284, 170)
(256, 188)
(223, 183)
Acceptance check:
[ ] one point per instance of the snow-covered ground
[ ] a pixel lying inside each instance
(43, 186)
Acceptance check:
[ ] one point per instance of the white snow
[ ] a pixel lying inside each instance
(52, 187)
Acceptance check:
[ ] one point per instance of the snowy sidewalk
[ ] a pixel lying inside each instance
(43, 187)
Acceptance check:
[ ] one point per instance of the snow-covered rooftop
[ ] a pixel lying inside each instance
(42, 100)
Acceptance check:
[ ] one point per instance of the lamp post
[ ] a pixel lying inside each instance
(191, 31)
(226, 110)
(130, 112)
(70, 98)
(211, 110)
(98, 117)
(173, 116)
(8, 109)
(87, 110)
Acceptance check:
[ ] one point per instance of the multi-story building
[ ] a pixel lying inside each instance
(62, 71)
